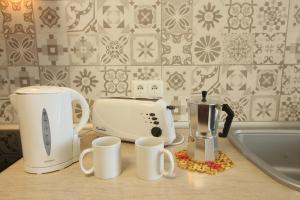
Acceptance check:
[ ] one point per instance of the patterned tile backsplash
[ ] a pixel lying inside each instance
(245, 52)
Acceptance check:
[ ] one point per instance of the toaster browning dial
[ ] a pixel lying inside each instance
(153, 121)
(156, 131)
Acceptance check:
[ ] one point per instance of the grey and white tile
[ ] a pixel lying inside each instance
(236, 80)
(145, 16)
(4, 82)
(21, 49)
(115, 50)
(50, 16)
(115, 81)
(240, 16)
(292, 48)
(17, 17)
(267, 79)
(289, 108)
(291, 80)
(269, 48)
(23, 77)
(204, 78)
(271, 16)
(240, 106)
(146, 72)
(85, 80)
(176, 49)
(7, 114)
(83, 48)
(238, 48)
(81, 16)
(177, 16)
(55, 76)
(3, 56)
(145, 49)
(177, 80)
(264, 108)
(53, 49)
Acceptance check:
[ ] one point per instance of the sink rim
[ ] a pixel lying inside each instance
(267, 128)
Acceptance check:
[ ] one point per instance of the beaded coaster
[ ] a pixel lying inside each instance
(222, 163)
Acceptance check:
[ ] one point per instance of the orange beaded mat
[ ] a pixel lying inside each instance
(222, 163)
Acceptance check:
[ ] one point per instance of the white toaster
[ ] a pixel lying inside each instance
(130, 119)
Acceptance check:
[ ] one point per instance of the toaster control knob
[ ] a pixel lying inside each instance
(171, 107)
(156, 131)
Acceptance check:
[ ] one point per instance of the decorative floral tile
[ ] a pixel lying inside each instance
(291, 79)
(21, 49)
(180, 113)
(236, 80)
(267, 79)
(177, 16)
(146, 16)
(4, 82)
(241, 14)
(176, 49)
(289, 108)
(238, 48)
(6, 111)
(271, 16)
(146, 72)
(85, 80)
(177, 80)
(113, 16)
(269, 49)
(294, 16)
(81, 16)
(209, 16)
(3, 58)
(207, 49)
(264, 108)
(240, 106)
(53, 49)
(50, 16)
(145, 49)
(115, 50)
(53, 75)
(204, 78)
(83, 48)
(23, 77)
(17, 16)
(292, 49)
(115, 81)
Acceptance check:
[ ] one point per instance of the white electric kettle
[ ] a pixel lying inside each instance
(49, 141)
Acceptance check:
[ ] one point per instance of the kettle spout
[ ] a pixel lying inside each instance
(13, 100)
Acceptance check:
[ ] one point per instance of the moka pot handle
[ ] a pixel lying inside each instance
(230, 115)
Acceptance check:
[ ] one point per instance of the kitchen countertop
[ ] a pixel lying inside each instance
(244, 181)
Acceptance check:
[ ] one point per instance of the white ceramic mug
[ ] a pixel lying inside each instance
(150, 154)
(106, 157)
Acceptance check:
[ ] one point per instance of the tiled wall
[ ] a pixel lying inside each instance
(247, 52)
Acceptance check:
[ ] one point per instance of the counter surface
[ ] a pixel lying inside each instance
(244, 181)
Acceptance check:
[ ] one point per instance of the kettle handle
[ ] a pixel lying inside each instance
(230, 115)
(84, 106)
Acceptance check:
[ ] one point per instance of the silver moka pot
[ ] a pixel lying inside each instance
(204, 117)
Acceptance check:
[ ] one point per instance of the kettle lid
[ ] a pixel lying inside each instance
(40, 90)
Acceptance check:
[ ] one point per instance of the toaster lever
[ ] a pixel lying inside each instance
(171, 107)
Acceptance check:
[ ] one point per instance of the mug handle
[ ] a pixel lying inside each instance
(86, 171)
(170, 172)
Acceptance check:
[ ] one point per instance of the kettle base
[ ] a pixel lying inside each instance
(43, 170)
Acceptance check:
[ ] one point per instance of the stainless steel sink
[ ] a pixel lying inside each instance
(274, 148)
